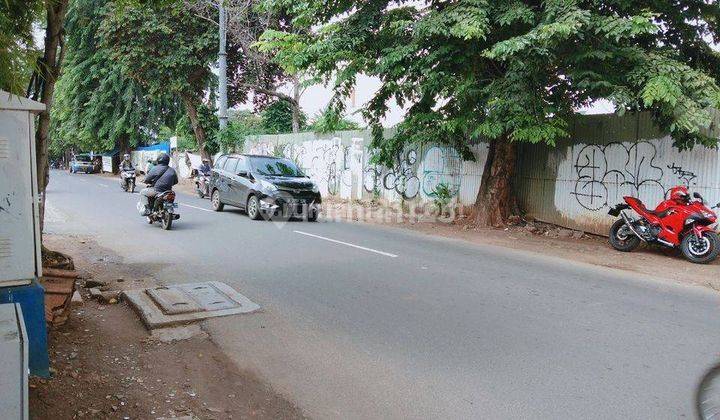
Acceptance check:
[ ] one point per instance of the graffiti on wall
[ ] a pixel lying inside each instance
(411, 178)
(606, 173)
(325, 161)
(441, 165)
(401, 178)
(686, 177)
(347, 170)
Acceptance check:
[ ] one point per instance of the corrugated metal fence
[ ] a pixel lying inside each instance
(609, 157)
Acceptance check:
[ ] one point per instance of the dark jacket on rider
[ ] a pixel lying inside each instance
(126, 165)
(162, 177)
(204, 169)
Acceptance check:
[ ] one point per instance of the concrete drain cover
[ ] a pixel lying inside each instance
(164, 306)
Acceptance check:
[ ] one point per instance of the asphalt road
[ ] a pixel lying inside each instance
(369, 322)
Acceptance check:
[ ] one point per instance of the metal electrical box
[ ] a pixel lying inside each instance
(13, 363)
(20, 259)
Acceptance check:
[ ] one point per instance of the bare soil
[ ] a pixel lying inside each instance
(105, 364)
(541, 238)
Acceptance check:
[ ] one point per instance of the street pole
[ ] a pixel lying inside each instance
(223, 67)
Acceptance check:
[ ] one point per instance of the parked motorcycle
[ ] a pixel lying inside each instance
(202, 185)
(127, 180)
(678, 221)
(162, 209)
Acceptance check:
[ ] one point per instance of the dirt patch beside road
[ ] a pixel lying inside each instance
(539, 238)
(106, 365)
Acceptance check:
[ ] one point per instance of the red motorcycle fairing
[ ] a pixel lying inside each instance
(672, 217)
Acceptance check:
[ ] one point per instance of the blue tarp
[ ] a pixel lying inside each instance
(163, 147)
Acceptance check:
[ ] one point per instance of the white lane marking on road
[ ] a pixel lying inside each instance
(387, 254)
(103, 185)
(193, 207)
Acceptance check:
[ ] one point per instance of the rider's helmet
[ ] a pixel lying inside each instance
(679, 194)
(163, 159)
(206, 160)
(126, 156)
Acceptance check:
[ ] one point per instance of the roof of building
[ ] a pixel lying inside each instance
(18, 103)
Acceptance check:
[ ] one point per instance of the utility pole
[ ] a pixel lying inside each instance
(223, 66)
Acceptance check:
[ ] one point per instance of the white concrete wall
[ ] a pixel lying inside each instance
(342, 167)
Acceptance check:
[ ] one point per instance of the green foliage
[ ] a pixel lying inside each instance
(186, 134)
(241, 125)
(442, 194)
(277, 118)
(163, 46)
(330, 121)
(508, 70)
(167, 50)
(17, 51)
(97, 105)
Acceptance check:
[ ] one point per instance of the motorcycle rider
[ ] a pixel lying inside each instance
(126, 167)
(126, 164)
(204, 169)
(160, 178)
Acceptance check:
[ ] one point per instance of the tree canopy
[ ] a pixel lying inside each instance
(509, 71)
(277, 118)
(167, 50)
(97, 105)
(17, 50)
(330, 120)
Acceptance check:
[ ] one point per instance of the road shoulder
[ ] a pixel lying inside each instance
(535, 237)
(105, 364)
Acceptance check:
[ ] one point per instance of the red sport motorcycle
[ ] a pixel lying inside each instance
(678, 221)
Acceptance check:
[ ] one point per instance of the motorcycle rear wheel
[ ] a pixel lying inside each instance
(167, 219)
(622, 238)
(701, 251)
(132, 187)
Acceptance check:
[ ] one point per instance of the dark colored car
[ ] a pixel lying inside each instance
(263, 186)
(82, 163)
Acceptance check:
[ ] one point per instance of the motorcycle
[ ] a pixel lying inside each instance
(676, 222)
(162, 209)
(202, 185)
(127, 180)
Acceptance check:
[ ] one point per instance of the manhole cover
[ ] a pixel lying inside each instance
(168, 305)
(172, 300)
(209, 297)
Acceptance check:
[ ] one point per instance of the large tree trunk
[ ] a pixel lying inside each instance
(199, 131)
(496, 201)
(123, 144)
(48, 73)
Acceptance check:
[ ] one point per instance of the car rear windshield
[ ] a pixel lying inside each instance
(81, 158)
(275, 167)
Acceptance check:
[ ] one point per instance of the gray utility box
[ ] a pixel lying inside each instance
(20, 260)
(13, 363)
